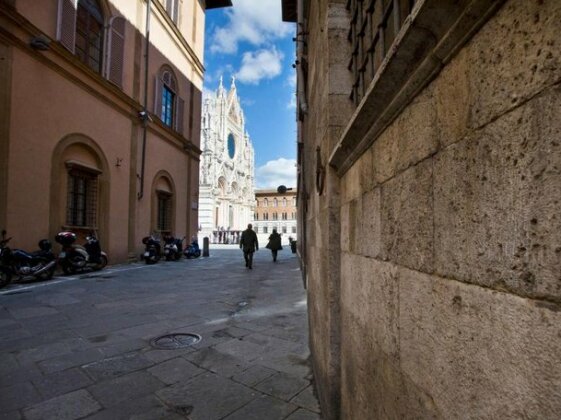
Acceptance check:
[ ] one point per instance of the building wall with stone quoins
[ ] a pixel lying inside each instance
(430, 227)
(75, 151)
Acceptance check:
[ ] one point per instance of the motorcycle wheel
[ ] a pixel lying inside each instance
(102, 263)
(5, 277)
(67, 268)
(47, 275)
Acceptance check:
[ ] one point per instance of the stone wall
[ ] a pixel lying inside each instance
(436, 257)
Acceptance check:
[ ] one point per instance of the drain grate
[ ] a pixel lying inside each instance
(175, 341)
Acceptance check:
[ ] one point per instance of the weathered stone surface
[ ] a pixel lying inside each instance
(118, 390)
(384, 155)
(488, 353)
(416, 131)
(370, 296)
(497, 197)
(16, 396)
(282, 386)
(226, 397)
(71, 406)
(370, 224)
(303, 414)
(61, 383)
(307, 400)
(516, 56)
(175, 370)
(253, 375)
(451, 99)
(262, 408)
(407, 218)
(116, 366)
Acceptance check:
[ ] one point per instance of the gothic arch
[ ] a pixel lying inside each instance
(77, 151)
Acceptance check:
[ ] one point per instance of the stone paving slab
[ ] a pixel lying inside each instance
(81, 349)
(70, 406)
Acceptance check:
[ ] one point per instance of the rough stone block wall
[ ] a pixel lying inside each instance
(451, 238)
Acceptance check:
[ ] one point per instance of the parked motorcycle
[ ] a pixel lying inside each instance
(39, 265)
(193, 250)
(152, 251)
(75, 258)
(173, 248)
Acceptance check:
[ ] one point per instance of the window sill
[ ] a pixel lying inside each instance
(428, 40)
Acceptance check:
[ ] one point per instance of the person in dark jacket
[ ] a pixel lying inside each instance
(249, 244)
(274, 244)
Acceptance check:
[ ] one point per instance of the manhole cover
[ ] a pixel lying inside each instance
(175, 341)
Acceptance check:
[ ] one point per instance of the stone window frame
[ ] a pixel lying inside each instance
(428, 39)
(164, 212)
(89, 210)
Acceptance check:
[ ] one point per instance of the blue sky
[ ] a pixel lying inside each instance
(250, 41)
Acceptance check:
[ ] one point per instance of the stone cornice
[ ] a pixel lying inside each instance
(428, 40)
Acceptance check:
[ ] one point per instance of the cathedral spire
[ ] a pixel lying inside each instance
(220, 90)
(233, 86)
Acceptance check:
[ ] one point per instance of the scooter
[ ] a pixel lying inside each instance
(193, 250)
(76, 258)
(39, 265)
(173, 248)
(152, 251)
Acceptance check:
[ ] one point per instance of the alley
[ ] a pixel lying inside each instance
(85, 346)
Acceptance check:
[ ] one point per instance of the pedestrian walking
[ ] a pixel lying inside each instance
(249, 244)
(274, 244)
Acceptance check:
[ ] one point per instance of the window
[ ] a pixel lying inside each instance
(256, 216)
(284, 229)
(265, 216)
(265, 229)
(163, 223)
(81, 209)
(275, 216)
(256, 229)
(169, 106)
(285, 216)
(265, 203)
(293, 229)
(284, 202)
(82, 28)
(89, 33)
(275, 203)
(172, 8)
(374, 26)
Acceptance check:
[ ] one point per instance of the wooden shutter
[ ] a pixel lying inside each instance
(179, 115)
(116, 51)
(197, 105)
(189, 110)
(158, 97)
(66, 28)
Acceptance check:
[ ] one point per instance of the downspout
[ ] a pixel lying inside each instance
(144, 114)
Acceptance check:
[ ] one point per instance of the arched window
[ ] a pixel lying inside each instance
(284, 202)
(169, 106)
(163, 201)
(265, 203)
(81, 29)
(275, 202)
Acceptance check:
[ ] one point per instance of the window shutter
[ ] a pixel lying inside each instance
(179, 115)
(116, 51)
(169, 7)
(66, 29)
(158, 97)
(197, 104)
(189, 110)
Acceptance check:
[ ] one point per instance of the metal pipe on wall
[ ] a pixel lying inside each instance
(144, 115)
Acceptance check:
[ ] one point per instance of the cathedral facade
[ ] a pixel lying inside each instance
(226, 186)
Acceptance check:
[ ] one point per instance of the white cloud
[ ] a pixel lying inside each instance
(258, 65)
(292, 103)
(277, 172)
(291, 79)
(253, 21)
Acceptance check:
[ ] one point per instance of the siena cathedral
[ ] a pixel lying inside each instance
(226, 193)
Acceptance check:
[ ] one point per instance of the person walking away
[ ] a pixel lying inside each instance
(274, 244)
(249, 244)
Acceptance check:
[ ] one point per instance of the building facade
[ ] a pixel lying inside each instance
(429, 191)
(100, 119)
(274, 210)
(226, 192)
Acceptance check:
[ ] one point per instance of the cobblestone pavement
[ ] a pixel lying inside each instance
(81, 347)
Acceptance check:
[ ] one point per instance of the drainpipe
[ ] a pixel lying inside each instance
(144, 114)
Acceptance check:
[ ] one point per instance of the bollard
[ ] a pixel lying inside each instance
(205, 247)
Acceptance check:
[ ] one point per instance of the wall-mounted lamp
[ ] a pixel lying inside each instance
(40, 42)
(295, 64)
